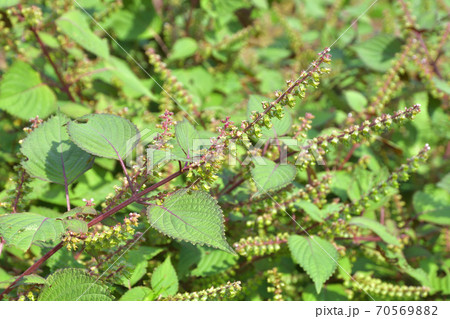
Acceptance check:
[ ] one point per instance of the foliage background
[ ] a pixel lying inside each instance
(226, 53)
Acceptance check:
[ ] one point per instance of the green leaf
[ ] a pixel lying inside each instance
(312, 210)
(63, 258)
(445, 183)
(137, 294)
(310, 255)
(51, 155)
(73, 284)
(189, 255)
(441, 85)
(76, 225)
(158, 157)
(433, 205)
(135, 20)
(279, 126)
(32, 279)
(377, 228)
(104, 135)
(270, 176)
(355, 100)
(24, 229)
(22, 93)
(74, 25)
(213, 262)
(82, 210)
(183, 48)
(8, 3)
(332, 292)
(378, 52)
(129, 80)
(190, 216)
(138, 260)
(73, 110)
(186, 135)
(164, 279)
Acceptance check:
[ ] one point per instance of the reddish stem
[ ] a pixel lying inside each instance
(349, 155)
(65, 87)
(19, 193)
(96, 220)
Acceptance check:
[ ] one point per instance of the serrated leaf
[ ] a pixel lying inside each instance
(310, 255)
(51, 155)
(269, 176)
(23, 229)
(164, 279)
(186, 135)
(279, 126)
(75, 26)
(104, 135)
(378, 52)
(137, 294)
(32, 279)
(76, 225)
(190, 216)
(22, 93)
(73, 284)
(377, 228)
(82, 210)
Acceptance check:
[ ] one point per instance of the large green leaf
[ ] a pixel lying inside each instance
(270, 176)
(316, 256)
(279, 126)
(104, 135)
(73, 284)
(23, 94)
(186, 136)
(378, 52)
(377, 228)
(75, 26)
(164, 279)
(51, 155)
(191, 216)
(23, 229)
